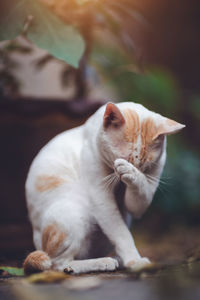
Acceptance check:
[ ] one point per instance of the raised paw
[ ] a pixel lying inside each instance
(126, 171)
(138, 265)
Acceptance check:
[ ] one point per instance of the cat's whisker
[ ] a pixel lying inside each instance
(107, 177)
(117, 179)
(163, 177)
(152, 181)
(164, 183)
(113, 181)
(157, 179)
(162, 186)
(162, 191)
(106, 182)
(110, 180)
(106, 161)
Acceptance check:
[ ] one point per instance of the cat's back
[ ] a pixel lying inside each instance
(58, 160)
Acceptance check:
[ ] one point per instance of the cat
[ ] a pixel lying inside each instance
(84, 182)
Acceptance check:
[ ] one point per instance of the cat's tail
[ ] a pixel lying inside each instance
(37, 261)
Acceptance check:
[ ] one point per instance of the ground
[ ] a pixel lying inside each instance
(175, 274)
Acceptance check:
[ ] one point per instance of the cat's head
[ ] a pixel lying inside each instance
(132, 132)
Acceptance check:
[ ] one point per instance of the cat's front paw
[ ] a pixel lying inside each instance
(126, 171)
(138, 265)
(103, 264)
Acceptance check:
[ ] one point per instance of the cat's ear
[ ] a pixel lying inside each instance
(167, 127)
(112, 116)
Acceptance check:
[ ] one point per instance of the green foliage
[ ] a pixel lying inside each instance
(179, 190)
(13, 271)
(44, 29)
(155, 88)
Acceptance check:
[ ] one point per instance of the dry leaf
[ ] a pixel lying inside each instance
(47, 277)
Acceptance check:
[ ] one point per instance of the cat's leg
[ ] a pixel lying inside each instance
(90, 265)
(61, 236)
(63, 249)
(139, 193)
(64, 236)
(75, 232)
(139, 188)
(107, 214)
(51, 242)
(112, 224)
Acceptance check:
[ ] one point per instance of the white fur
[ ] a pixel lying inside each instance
(83, 157)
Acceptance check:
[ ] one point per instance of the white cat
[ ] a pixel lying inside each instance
(82, 183)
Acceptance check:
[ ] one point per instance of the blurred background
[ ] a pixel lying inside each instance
(145, 51)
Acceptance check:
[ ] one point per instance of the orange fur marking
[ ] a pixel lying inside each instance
(148, 133)
(132, 128)
(52, 239)
(34, 262)
(46, 183)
